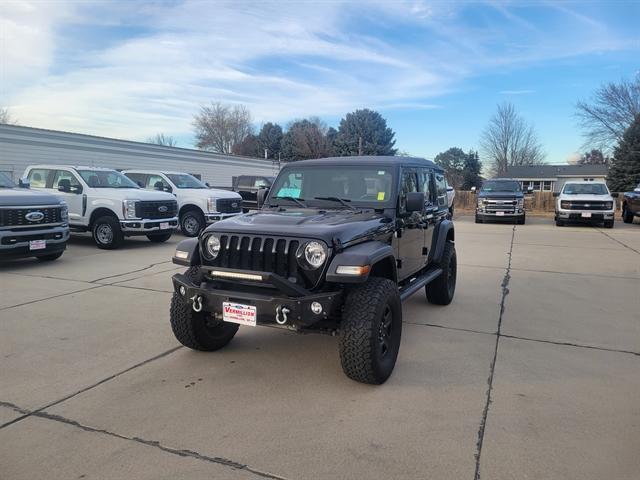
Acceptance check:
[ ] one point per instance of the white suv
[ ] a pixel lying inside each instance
(589, 202)
(106, 203)
(198, 205)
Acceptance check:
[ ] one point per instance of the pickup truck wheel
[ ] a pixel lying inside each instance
(521, 221)
(49, 258)
(191, 223)
(478, 219)
(159, 237)
(198, 331)
(627, 216)
(608, 224)
(442, 289)
(559, 223)
(106, 233)
(371, 330)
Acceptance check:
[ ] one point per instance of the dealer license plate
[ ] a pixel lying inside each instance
(37, 244)
(500, 214)
(586, 214)
(240, 314)
(164, 225)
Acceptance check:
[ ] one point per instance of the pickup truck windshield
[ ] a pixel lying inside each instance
(338, 186)
(184, 180)
(501, 186)
(585, 189)
(106, 179)
(5, 181)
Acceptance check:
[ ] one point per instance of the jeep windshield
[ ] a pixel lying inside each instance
(585, 189)
(184, 180)
(342, 186)
(510, 186)
(106, 179)
(5, 181)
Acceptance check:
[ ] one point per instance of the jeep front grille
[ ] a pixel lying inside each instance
(153, 210)
(17, 217)
(264, 254)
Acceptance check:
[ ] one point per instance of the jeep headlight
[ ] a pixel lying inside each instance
(211, 204)
(64, 213)
(129, 208)
(212, 246)
(312, 255)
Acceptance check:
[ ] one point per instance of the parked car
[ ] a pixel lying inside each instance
(587, 202)
(247, 186)
(500, 199)
(336, 247)
(631, 205)
(107, 204)
(32, 224)
(198, 205)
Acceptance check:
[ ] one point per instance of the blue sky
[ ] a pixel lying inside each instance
(435, 70)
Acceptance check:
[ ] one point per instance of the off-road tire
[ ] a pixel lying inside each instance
(191, 329)
(362, 357)
(441, 290)
(159, 238)
(100, 238)
(627, 216)
(190, 218)
(50, 257)
(608, 224)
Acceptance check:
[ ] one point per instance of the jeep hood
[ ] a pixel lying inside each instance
(21, 197)
(343, 225)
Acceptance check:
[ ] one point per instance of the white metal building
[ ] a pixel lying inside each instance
(22, 146)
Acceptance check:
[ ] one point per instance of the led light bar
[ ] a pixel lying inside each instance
(235, 275)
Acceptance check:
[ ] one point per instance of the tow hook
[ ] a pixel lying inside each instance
(281, 314)
(197, 303)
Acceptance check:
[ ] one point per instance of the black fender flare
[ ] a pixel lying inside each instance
(443, 233)
(187, 253)
(368, 253)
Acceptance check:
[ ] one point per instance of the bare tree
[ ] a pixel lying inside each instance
(508, 141)
(162, 139)
(609, 113)
(305, 139)
(219, 127)
(6, 118)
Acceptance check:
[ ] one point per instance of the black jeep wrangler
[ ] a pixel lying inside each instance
(336, 247)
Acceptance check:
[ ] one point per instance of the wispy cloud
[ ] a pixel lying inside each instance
(282, 59)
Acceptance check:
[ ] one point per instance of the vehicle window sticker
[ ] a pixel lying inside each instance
(289, 192)
(380, 196)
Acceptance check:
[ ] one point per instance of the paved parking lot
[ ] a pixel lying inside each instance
(532, 372)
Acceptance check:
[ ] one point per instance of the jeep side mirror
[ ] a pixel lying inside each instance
(473, 189)
(415, 202)
(261, 196)
(556, 194)
(24, 183)
(614, 194)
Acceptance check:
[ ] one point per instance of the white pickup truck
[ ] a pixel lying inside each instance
(586, 202)
(198, 205)
(107, 204)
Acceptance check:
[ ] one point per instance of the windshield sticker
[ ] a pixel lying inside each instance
(289, 192)
(380, 196)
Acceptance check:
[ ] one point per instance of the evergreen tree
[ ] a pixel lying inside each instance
(364, 132)
(624, 173)
(452, 162)
(270, 139)
(471, 171)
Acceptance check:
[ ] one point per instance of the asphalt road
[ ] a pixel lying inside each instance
(532, 372)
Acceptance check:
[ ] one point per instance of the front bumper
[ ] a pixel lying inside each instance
(215, 217)
(15, 243)
(269, 306)
(500, 214)
(586, 215)
(144, 227)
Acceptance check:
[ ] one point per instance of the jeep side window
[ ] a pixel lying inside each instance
(424, 176)
(38, 177)
(441, 189)
(409, 184)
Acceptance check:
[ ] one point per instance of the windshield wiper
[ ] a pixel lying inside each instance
(297, 201)
(343, 201)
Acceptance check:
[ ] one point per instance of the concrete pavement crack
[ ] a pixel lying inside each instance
(485, 412)
(570, 344)
(85, 389)
(53, 297)
(618, 241)
(129, 273)
(457, 329)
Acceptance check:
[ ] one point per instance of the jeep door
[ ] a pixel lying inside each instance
(67, 186)
(426, 183)
(411, 232)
